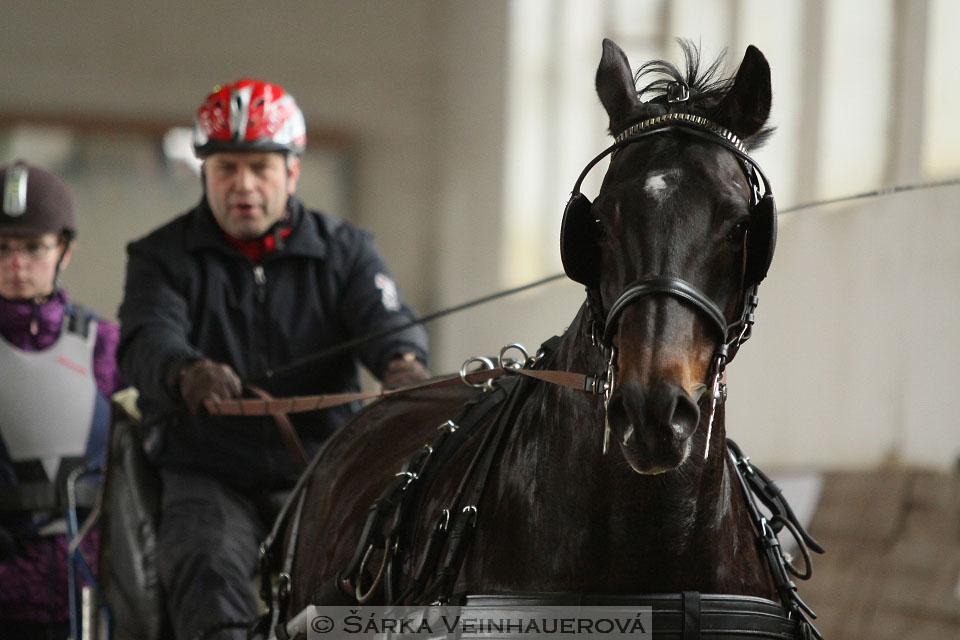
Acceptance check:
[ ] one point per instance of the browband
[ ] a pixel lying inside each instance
(683, 118)
(682, 122)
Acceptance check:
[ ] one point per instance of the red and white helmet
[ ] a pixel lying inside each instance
(249, 115)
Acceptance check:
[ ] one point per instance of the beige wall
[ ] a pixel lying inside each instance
(855, 350)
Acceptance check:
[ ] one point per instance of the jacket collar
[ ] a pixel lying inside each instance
(305, 238)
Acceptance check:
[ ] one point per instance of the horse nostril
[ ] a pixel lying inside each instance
(674, 410)
(625, 407)
(685, 415)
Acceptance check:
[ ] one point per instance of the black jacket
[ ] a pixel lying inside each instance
(190, 294)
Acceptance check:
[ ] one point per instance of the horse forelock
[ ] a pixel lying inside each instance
(705, 83)
(706, 86)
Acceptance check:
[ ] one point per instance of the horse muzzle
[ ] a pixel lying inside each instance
(653, 424)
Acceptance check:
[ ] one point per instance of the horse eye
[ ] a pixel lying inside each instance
(739, 231)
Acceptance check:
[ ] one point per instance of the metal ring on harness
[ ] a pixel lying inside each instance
(488, 365)
(507, 363)
(787, 562)
(361, 596)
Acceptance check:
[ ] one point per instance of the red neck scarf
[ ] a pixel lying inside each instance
(255, 249)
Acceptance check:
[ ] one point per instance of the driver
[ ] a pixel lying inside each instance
(248, 280)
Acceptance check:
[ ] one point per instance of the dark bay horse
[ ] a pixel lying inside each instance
(530, 500)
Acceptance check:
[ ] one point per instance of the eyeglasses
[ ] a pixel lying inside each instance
(29, 250)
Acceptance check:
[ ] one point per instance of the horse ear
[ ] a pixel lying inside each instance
(615, 84)
(745, 108)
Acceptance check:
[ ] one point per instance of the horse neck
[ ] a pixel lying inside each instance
(576, 351)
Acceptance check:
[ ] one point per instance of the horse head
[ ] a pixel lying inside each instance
(673, 246)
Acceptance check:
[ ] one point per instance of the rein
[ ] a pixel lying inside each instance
(279, 408)
(267, 405)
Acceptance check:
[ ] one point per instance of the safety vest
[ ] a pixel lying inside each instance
(52, 415)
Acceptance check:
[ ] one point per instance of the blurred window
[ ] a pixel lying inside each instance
(941, 140)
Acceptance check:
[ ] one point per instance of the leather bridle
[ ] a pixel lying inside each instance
(730, 335)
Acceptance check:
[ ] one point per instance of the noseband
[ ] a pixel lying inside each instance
(656, 285)
(731, 335)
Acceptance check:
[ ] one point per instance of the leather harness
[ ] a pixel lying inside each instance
(392, 516)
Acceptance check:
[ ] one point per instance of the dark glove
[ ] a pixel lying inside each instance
(8, 545)
(403, 371)
(202, 380)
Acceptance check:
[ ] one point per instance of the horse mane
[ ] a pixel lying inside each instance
(706, 86)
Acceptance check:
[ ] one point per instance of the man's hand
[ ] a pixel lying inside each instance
(202, 380)
(403, 371)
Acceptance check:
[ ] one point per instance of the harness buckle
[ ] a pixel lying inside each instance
(444, 523)
(283, 585)
(409, 475)
(746, 332)
(594, 385)
(609, 380)
(678, 92)
(718, 395)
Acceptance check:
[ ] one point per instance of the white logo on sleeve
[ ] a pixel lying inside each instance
(388, 292)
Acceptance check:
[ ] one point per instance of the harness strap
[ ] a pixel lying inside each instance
(274, 406)
(451, 533)
(691, 615)
(771, 496)
(437, 537)
(271, 406)
(285, 427)
(677, 616)
(786, 588)
(300, 404)
(279, 524)
(458, 536)
(465, 518)
(370, 538)
(402, 497)
(280, 592)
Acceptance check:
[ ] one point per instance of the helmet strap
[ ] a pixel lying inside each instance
(65, 240)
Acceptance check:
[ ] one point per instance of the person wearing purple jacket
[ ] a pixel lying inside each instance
(57, 373)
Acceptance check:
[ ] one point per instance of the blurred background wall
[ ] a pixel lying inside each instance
(454, 130)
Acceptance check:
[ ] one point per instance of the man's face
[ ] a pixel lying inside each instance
(248, 191)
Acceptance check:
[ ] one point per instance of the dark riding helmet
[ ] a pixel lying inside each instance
(249, 115)
(35, 202)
